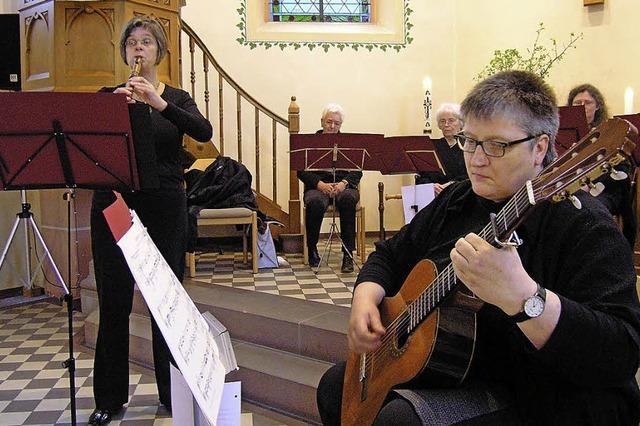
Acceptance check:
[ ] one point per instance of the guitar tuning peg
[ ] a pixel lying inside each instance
(575, 201)
(618, 175)
(596, 189)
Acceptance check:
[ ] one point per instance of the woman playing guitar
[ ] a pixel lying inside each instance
(557, 338)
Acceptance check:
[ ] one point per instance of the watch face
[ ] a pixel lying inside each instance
(534, 306)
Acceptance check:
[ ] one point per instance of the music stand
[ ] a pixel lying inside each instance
(406, 154)
(331, 152)
(70, 140)
(573, 127)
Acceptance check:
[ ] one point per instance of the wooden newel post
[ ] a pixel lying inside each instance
(294, 186)
(294, 116)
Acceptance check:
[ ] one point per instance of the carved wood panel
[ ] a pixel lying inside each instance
(36, 27)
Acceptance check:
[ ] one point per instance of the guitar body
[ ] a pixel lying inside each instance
(439, 350)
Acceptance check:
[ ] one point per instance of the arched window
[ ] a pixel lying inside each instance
(320, 10)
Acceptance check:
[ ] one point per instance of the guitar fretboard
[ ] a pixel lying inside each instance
(505, 221)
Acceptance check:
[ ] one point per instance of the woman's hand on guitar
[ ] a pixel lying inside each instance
(365, 326)
(495, 275)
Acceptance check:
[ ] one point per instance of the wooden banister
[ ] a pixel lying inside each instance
(257, 144)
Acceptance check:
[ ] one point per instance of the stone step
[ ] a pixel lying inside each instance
(271, 378)
(283, 345)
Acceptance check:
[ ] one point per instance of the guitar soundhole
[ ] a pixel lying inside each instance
(401, 339)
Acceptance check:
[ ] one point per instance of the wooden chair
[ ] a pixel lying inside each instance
(232, 216)
(222, 217)
(360, 232)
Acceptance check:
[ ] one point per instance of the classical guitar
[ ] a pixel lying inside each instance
(431, 324)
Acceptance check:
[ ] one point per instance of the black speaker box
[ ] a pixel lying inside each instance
(9, 52)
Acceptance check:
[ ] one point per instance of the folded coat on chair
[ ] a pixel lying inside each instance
(225, 183)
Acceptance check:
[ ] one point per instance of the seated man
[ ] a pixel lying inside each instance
(557, 340)
(320, 188)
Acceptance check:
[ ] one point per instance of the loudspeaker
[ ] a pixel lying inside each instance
(10, 52)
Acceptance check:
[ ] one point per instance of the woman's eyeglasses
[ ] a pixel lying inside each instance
(490, 148)
(146, 42)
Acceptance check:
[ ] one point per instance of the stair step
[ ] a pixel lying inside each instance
(272, 378)
(283, 345)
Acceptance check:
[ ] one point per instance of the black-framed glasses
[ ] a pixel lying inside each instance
(490, 148)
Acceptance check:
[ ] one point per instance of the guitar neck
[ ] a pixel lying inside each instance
(504, 223)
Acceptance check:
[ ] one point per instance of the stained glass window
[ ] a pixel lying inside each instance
(320, 10)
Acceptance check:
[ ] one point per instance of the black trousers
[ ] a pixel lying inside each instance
(316, 203)
(164, 214)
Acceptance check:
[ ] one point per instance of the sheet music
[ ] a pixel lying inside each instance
(415, 198)
(183, 327)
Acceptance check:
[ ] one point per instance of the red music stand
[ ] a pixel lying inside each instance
(331, 152)
(323, 152)
(573, 127)
(404, 154)
(71, 140)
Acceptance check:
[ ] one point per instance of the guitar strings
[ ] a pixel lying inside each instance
(418, 309)
(424, 304)
(447, 276)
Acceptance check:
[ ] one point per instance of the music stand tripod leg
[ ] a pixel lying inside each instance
(333, 233)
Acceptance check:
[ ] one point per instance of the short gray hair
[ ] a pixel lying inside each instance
(332, 109)
(150, 24)
(520, 95)
(450, 108)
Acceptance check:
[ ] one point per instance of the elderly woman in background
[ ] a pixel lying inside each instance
(163, 211)
(593, 101)
(449, 153)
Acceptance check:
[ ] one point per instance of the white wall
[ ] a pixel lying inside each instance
(607, 56)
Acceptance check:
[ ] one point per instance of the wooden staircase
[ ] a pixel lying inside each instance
(268, 144)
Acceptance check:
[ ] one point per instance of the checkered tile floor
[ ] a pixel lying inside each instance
(34, 386)
(293, 278)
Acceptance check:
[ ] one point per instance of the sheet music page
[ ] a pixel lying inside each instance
(415, 198)
(182, 325)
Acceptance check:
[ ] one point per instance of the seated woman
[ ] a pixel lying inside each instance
(449, 153)
(593, 101)
(616, 196)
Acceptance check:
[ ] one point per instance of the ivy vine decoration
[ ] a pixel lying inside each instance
(538, 59)
(323, 45)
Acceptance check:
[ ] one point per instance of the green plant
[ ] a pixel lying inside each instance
(538, 59)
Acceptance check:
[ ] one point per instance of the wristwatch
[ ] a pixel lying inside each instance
(532, 307)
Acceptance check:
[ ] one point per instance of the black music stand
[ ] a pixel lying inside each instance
(72, 140)
(331, 152)
(573, 127)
